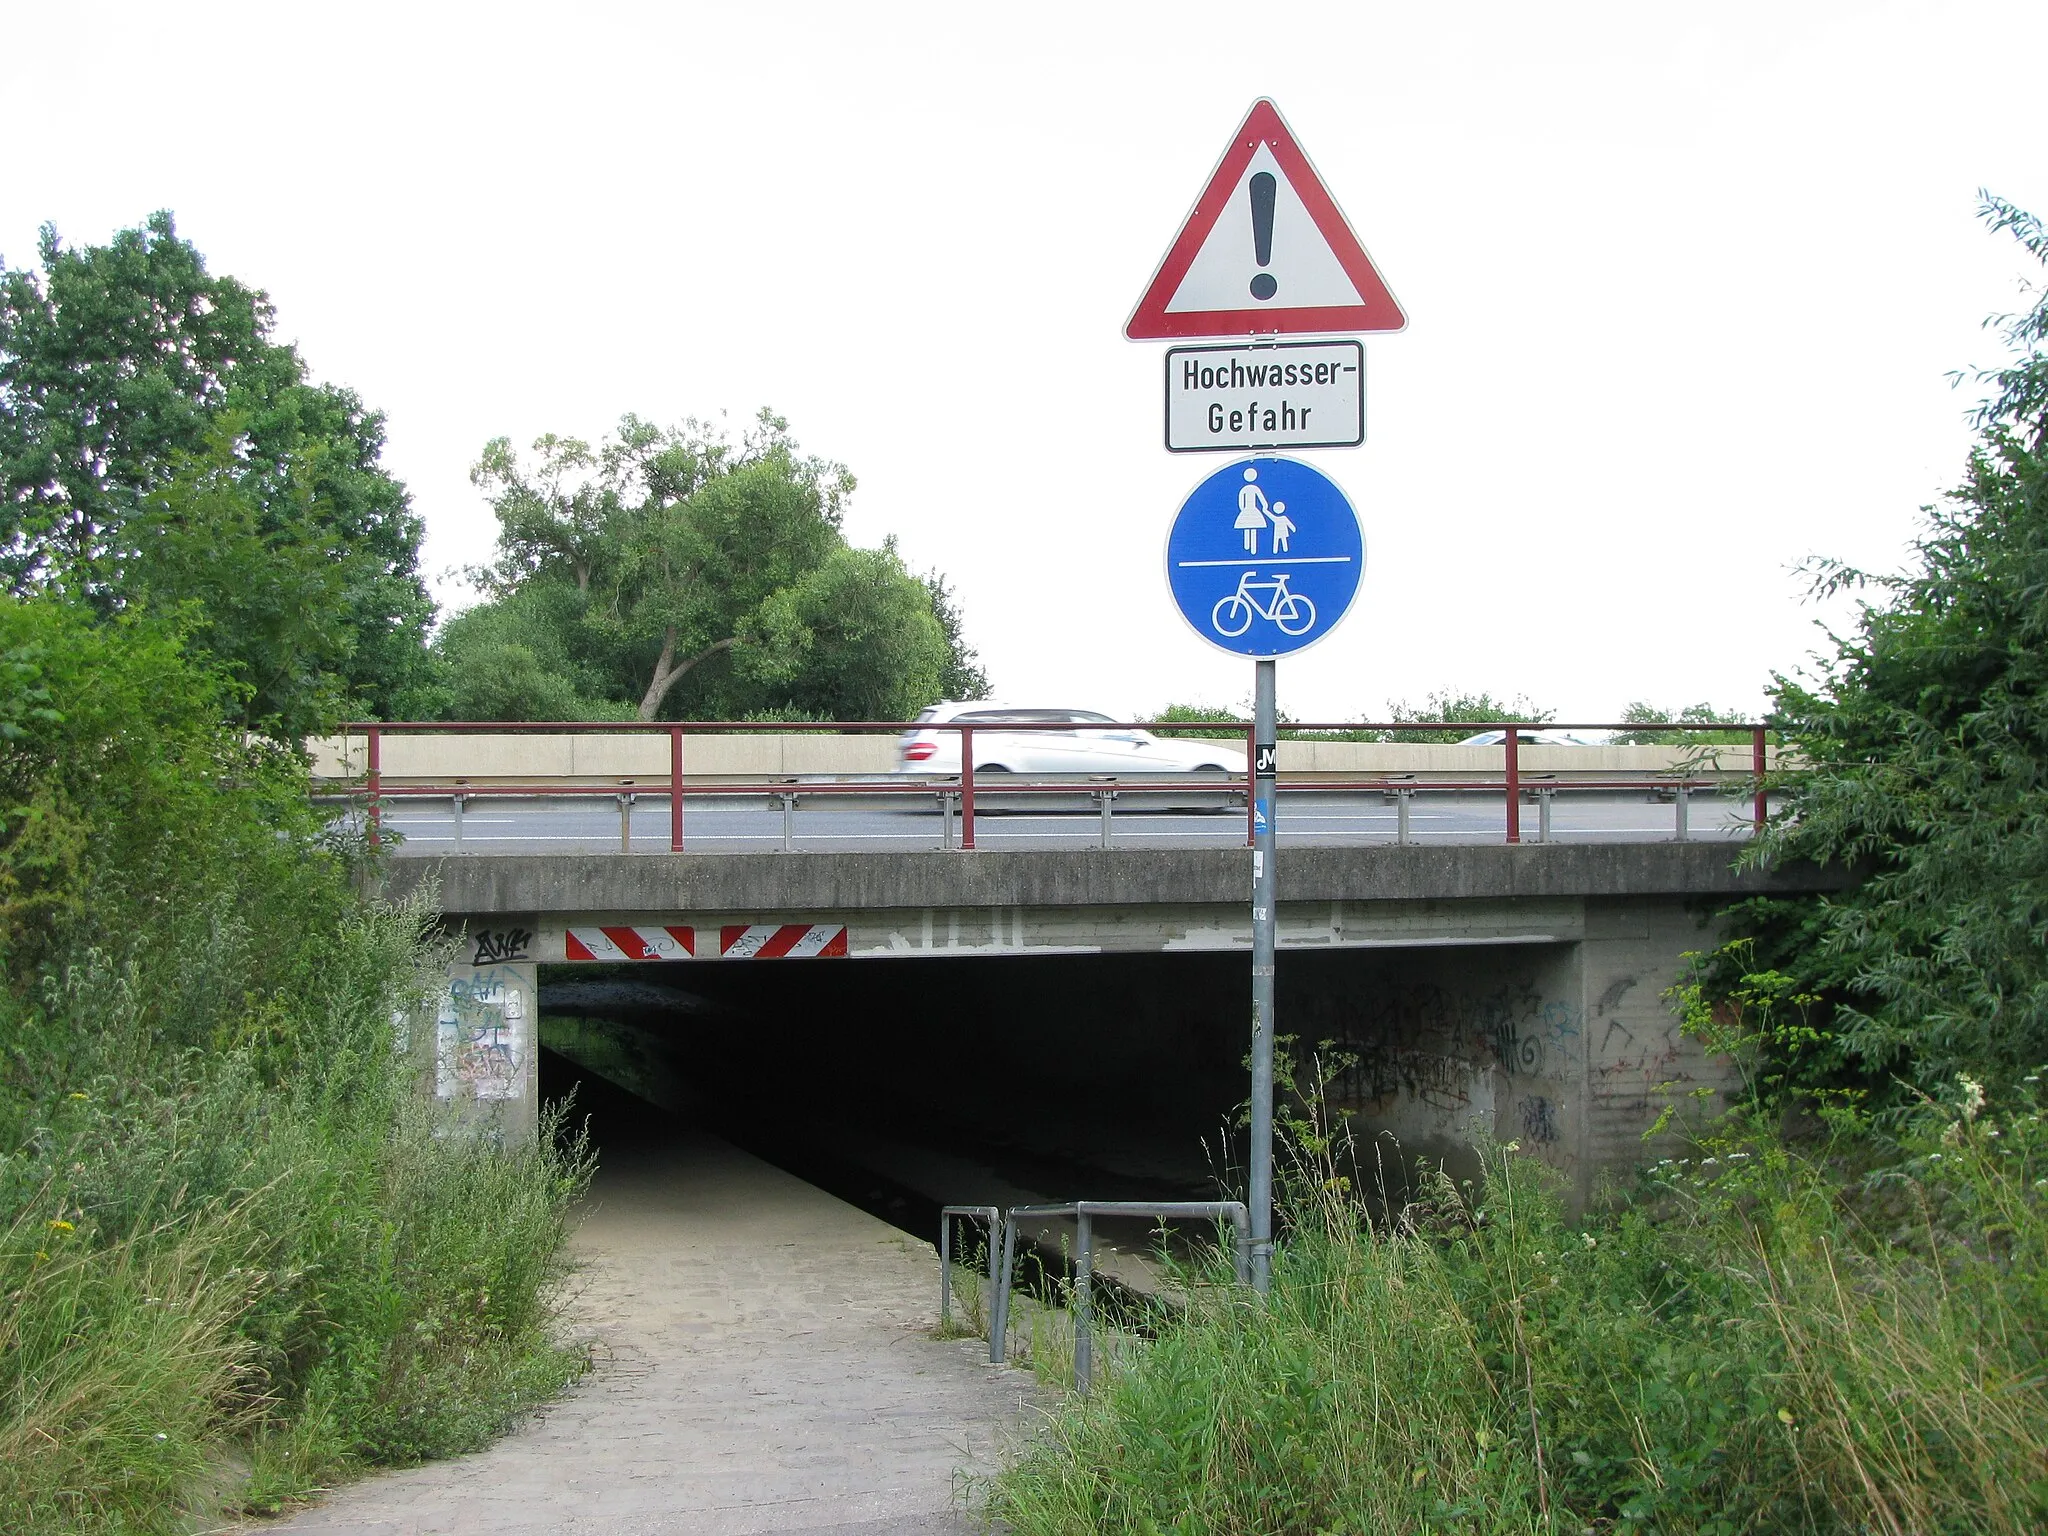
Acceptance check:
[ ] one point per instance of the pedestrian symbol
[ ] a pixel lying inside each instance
(1265, 557)
(1251, 510)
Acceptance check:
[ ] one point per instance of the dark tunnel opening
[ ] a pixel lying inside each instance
(902, 1085)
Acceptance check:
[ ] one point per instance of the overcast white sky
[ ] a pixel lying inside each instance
(1683, 283)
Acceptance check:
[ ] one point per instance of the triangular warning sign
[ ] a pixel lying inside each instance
(1265, 251)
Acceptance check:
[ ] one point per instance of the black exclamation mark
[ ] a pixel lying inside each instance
(1264, 285)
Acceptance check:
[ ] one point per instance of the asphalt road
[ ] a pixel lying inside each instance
(591, 825)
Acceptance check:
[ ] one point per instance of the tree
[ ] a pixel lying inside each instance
(855, 639)
(127, 366)
(965, 677)
(528, 656)
(1649, 716)
(1451, 705)
(264, 598)
(1925, 732)
(662, 551)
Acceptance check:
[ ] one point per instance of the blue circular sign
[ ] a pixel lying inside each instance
(1265, 557)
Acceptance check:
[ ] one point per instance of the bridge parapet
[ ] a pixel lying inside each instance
(460, 761)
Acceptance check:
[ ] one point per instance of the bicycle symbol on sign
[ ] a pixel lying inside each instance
(1293, 613)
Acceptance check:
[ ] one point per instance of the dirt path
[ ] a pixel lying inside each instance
(763, 1366)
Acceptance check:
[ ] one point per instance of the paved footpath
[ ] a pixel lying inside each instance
(763, 1366)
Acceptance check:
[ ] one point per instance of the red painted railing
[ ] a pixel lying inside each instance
(1511, 782)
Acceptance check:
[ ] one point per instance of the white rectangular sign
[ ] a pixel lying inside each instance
(1292, 394)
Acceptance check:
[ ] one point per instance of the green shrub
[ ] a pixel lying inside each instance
(1744, 1345)
(237, 1259)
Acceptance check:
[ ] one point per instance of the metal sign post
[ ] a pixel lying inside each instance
(1265, 765)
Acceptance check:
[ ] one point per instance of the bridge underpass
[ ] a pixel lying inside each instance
(1074, 1024)
(902, 1085)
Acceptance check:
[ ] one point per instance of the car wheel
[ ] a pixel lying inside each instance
(1212, 768)
(991, 768)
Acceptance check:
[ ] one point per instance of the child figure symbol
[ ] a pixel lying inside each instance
(1283, 527)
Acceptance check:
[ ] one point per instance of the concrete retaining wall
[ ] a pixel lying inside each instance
(518, 758)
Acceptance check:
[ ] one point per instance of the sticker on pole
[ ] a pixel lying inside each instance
(1265, 557)
(1264, 251)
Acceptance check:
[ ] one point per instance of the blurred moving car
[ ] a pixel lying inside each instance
(1073, 741)
(1534, 738)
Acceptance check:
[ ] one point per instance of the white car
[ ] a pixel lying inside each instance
(1088, 743)
(1531, 736)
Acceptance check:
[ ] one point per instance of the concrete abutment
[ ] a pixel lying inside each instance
(1515, 994)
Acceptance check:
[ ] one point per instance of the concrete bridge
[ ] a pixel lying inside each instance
(1511, 990)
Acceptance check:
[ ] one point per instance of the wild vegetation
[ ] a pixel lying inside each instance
(1927, 728)
(1741, 1344)
(236, 1259)
(1833, 1315)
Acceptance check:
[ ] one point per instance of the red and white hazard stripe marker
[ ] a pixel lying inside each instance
(639, 943)
(740, 941)
(778, 941)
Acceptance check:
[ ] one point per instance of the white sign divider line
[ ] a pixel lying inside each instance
(1283, 560)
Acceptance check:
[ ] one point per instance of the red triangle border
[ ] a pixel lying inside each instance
(1381, 311)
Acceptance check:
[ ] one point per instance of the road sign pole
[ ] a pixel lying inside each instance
(1264, 783)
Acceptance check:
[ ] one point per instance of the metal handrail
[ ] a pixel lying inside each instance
(993, 1216)
(1084, 1212)
(1103, 789)
(373, 733)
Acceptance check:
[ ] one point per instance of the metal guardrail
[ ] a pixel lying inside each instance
(1084, 1213)
(957, 792)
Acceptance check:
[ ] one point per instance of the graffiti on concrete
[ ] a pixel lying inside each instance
(482, 1036)
(1539, 1120)
(1432, 1043)
(1630, 1062)
(1610, 999)
(496, 946)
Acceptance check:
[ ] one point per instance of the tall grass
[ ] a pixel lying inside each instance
(224, 1286)
(123, 1356)
(1748, 1343)
(236, 1260)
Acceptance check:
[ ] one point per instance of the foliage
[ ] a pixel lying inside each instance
(528, 656)
(1649, 715)
(674, 571)
(227, 1231)
(1742, 1345)
(1444, 704)
(1925, 740)
(964, 676)
(1453, 705)
(1215, 723)
(146, 413)
(854, 639)
(1208, 716)
(122, 798)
